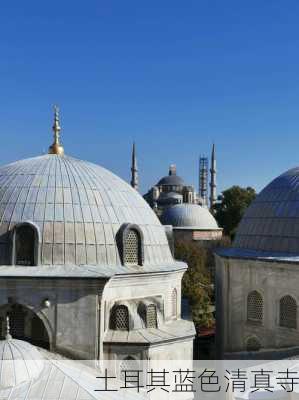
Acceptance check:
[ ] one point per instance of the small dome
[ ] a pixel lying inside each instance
(171, 180)
(190, 216)
(271, 222)
(170, 197)
(20, 362)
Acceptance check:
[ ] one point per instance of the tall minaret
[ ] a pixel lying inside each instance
(134, 169)
(213, 171)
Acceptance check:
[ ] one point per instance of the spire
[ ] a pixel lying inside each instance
(134, 169)
(56, 147)
(8, 335)
(213, 171)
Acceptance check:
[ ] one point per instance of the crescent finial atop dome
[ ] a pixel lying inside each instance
(56, 147)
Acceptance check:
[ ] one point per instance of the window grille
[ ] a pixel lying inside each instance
(24, 245)
(128, 364)
(288, 312)
(120, 318)
(151, 316)
(174, 300)
(253, 344)
(131, 250)
(255, 307)
(17, 317)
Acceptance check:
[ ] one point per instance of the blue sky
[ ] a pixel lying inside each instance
(174, 76)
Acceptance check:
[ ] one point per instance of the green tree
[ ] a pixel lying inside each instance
(231, 207)
(196, 285)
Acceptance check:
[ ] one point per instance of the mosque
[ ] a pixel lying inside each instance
(179, 206)
(85, 265)
(257, 279)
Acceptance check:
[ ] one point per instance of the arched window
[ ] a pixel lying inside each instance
(174, 301)
(24, 324)
(288, 312)
(17, 321)
(25, 244)
(253, 344)
(255, 307)
(130, 244)
(131, 248)
(119, 318)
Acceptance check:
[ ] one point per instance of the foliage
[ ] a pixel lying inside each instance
(231, 207)
(198, 281)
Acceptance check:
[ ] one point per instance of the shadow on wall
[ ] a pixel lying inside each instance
(24, 325)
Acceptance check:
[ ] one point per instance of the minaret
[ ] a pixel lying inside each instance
(134, 169)
(56, 147)
(213, 171)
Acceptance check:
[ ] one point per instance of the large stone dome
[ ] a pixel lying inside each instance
(78, 208)
(271, 223)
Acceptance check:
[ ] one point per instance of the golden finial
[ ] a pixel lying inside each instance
(56, 147)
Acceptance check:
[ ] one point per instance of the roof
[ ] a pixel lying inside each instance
(63, 379)
(166, 333)
(170, 198)
(19, 362)
(78, 207)
(170, 195)
(189, 216)
(266, 256)
(271, 223)
(171, 180)
(85, 271)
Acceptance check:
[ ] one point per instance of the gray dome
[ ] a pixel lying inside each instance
(170, 197)
(271, 223)
(171, 180)
(20, 362)
(78, 207)
(190, 216)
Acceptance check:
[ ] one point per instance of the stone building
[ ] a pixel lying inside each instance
(86, 269)
(180, 206)
(169, 191)
(257, 279)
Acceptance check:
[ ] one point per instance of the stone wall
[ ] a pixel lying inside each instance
(235, 279)
(70, 318)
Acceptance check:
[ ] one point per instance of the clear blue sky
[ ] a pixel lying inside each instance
(173, 75)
